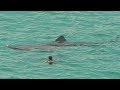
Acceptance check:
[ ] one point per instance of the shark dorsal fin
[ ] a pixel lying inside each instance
(60, 39)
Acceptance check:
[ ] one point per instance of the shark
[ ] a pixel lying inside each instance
(59, 42)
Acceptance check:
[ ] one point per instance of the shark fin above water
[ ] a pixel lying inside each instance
(60, 39)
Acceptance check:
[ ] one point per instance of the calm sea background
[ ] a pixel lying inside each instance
(80, 62)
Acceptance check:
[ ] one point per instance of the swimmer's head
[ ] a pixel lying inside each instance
(50, 57)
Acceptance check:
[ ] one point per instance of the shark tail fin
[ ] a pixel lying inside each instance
(60, 39)
(116, 39)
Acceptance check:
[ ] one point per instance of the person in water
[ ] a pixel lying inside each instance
(50, 61)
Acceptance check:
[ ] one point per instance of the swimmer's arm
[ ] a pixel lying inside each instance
(46, 61)
(53, 61)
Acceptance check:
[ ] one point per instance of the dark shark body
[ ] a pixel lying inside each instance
(60, 41)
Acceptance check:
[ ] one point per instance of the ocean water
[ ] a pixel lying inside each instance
(77, 62)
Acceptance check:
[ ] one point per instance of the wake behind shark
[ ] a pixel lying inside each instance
(60, 41)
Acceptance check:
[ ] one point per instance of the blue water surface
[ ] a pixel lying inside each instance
(78, 62)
